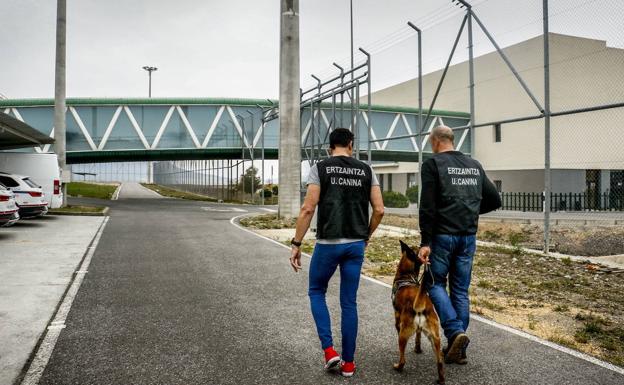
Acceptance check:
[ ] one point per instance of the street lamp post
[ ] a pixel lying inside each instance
(149, 70)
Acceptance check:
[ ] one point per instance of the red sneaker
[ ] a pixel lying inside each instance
(347, 368)
(332, 358)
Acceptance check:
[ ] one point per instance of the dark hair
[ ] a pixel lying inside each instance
(340, 137)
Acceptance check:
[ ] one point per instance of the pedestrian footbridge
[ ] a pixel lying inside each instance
(109, 130)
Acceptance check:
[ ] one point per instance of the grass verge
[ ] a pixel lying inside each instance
(567, 302)
(91, 190)
(78, 210)
(267, 221)
(173, 193)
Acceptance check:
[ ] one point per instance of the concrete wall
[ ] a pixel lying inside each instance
(563, 181)
(519, 180)
(583, 74)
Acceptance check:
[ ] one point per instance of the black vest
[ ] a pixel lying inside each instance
(344, 199)
(461, 185)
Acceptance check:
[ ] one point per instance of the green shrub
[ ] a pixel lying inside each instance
(268, 193)
(395, 199)
(412, 194)
(275, 189)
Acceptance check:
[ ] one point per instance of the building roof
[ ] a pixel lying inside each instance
(17, 134)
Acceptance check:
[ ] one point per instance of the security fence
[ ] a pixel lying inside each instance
(541, 81)
(568, 202)
(223, 180)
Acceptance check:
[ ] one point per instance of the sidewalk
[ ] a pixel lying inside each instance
(38, 260)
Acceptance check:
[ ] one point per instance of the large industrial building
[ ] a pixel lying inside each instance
(587, 155)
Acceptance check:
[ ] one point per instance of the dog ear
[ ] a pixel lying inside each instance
(409, 253)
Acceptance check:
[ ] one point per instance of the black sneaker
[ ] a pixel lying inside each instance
(455, 353)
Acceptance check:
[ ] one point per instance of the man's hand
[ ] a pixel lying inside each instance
(423, 254)
(295, 258)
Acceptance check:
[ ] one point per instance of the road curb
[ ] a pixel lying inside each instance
(102, 213)
(116, 193)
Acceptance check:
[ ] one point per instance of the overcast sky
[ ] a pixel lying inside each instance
(231, 47)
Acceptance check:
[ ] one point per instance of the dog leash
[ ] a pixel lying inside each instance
(426, 270)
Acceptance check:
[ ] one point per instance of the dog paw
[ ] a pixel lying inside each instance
(398, 367)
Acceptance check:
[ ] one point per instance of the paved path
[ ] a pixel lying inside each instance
(37, 260)
(133, 190)
(176, 295)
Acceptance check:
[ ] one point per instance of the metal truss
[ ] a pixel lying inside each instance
(386, 126)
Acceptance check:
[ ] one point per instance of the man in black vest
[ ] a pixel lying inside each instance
(343, 188)
(455, 190)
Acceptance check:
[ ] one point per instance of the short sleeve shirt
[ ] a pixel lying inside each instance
(313, 177)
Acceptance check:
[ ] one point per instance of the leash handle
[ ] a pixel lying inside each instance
(426, 270)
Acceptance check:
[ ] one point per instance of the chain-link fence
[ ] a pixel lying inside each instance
(111, 172)
(548, 115)
(223, 180)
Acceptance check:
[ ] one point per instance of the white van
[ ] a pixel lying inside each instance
(41, 168)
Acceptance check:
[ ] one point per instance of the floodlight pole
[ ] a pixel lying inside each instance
(149, 70)
(59, 96)
(547, 181)
(289, 112)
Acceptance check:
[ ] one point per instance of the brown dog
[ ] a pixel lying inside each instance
(413, 310)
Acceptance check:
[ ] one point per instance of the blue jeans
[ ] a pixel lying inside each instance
(451, 256)
(325, 260)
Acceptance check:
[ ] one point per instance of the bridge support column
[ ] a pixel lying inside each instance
(289, 109)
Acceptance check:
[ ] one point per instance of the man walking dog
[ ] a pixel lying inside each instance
(455, 190)
(343, 188)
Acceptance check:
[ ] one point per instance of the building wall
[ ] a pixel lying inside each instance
(399, 171)
(581, 141)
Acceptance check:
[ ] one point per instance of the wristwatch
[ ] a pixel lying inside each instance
(295, 243)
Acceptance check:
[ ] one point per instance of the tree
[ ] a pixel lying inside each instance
(245, 183)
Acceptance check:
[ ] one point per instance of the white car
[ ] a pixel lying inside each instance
(8, 207)
(42, 168)
(28, 195)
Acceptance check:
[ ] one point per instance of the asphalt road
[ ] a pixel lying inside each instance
(177, 295)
